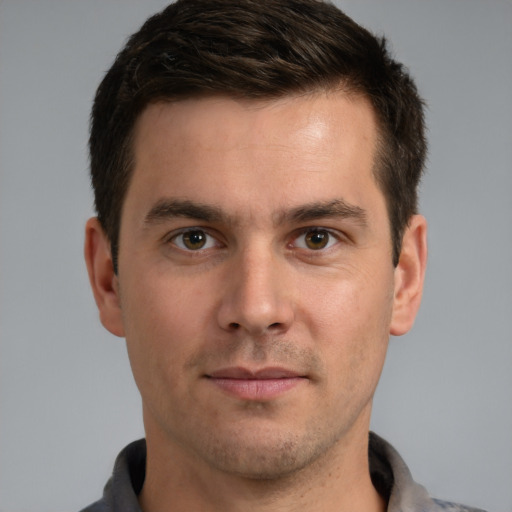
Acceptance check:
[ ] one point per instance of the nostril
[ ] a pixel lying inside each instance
(233, 326)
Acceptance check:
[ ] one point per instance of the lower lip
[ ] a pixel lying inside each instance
(257, 389)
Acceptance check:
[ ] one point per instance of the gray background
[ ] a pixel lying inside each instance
(68, 404)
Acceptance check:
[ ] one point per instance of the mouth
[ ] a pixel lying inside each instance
(260, 385)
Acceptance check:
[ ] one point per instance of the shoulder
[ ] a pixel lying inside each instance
(392, 479)
(98, 506)
(448, 506)
(120, 492)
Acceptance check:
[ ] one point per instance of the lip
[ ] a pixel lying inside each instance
(256, 385)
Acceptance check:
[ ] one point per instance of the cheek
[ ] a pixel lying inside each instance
(163, 326)
(349, 303)
(162, 306)
(350, 320)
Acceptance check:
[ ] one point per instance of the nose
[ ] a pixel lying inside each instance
(257, 299)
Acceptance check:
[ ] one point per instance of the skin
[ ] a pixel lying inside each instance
(258, 353)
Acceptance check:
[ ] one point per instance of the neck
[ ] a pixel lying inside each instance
(339, 481)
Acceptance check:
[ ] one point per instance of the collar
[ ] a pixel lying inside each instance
(390, 476)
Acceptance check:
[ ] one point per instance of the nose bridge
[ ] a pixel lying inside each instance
(257, 299)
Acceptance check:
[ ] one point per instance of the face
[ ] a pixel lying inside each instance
(256, 287)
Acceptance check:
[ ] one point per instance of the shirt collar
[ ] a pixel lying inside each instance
(390, 476)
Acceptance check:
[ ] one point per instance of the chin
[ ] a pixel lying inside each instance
(264, 457)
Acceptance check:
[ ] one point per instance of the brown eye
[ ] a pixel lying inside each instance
(194, 240)
(317, 239)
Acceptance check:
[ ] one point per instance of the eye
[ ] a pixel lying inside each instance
(315, 239)
(194, 240)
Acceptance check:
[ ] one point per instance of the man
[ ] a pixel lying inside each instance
(255, 167)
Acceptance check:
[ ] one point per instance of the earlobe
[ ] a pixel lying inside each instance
(409, 276)
(102, 278)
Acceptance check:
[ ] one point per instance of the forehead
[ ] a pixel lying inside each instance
(292, 150)
(214, 120)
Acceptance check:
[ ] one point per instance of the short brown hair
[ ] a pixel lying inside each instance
(255, 49)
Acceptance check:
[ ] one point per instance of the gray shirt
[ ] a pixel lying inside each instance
(390, 476)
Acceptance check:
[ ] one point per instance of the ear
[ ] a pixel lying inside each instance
(103, 280)
(409, 276)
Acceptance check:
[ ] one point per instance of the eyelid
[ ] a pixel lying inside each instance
(170, 238)
(338, 237)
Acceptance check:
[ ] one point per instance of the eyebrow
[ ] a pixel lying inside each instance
(166, 209)
(337, 208)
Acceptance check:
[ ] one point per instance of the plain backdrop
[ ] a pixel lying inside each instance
(68, 403)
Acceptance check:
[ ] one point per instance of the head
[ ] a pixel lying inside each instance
(260, 51)
(255, 167)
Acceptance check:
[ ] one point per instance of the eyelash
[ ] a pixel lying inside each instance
(190, 231)
(333, 237)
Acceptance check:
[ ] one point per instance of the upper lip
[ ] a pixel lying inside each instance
(263, 373)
